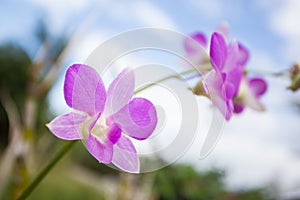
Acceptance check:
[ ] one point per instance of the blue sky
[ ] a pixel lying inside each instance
(255, 147)
(249, 21)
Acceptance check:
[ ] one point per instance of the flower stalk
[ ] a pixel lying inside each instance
(59, 155)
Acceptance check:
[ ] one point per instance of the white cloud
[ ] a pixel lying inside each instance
(217, 9)
(262, 60)
(209, 8)
(252, 154)
(284, 21)
(140, 13)
(254, 162)
(62, 16)
(257, 149)
(132, 14)
(151, 15)
(58, 13)
(57, 6)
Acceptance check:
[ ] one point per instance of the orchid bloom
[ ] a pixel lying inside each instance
(105, 120)
(250, 92)
(223, 82)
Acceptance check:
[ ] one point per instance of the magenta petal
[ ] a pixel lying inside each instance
(125, 156)
(218, 51)
(243, 55)
(196, 43)
(233, 69)
(114, 133)
(225, 106)
(67, 126)
(103, 152)
(234, 77)
(258, 86)
(238, 107)
(232, 57)
(214, 82)
(229, 90)
(217, 91)
(120, 92)
(84, 89)
(138, 118)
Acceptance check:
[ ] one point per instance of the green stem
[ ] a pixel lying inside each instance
(267, 72)
(46, 170)
(204, 67)
(69, 145)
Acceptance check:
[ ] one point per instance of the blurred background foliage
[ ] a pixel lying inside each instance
(14, 70)
(78, 176)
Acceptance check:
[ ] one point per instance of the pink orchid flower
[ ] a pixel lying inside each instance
(105, 120)
(251, 90)
(196, 47)
(223, 83)
(224, 80)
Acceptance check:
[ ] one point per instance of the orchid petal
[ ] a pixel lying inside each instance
(251, 100)
(229, 90)
(234, 77)
(214, 82)
(217, 91)
(103, 152)
(138, 118)
(243, 55)
(114, 133)
(194, 60)
(238, 107)
(258, 86)
(224, 106)
(232, 57)
(84, 89)
(125, 156)
(248, 96)
(223, 29)
(195, 44)
(218, 51)
(67, 126)
(120, 92)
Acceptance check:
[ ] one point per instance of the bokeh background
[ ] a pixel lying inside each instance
(258, 155)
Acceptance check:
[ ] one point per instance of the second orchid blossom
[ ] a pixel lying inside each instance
(226, 84)
(105, 121)
(224, 81)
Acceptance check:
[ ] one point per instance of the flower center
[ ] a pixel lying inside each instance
(99, 129)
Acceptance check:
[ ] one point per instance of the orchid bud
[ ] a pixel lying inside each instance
(295, 77)
(199, 89)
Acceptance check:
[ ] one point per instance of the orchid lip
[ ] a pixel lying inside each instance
(100, 129)
(97, 126)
